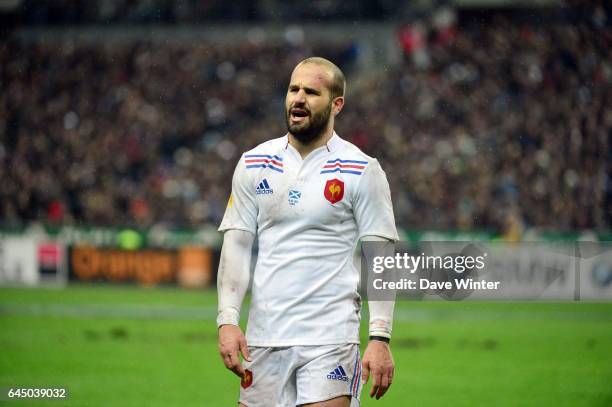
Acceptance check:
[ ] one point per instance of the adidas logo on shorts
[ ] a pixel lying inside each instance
(338, 374)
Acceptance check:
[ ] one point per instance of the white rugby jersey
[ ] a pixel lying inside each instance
(308, 216)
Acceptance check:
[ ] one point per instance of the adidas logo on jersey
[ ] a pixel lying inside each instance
(338, 374)
(263, 188)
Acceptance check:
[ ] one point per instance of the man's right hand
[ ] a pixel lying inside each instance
(231, 343)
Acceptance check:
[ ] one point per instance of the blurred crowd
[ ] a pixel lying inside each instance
(198, 11)
(503, 126)
(499, 126)
(135, 134)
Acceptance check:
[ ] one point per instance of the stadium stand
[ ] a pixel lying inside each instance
(499, 125)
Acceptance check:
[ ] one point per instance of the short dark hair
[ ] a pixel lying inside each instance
(337, 87)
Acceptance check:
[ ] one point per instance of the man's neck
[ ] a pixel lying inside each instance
(306, 148)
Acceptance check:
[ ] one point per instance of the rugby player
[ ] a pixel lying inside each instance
(308, 197)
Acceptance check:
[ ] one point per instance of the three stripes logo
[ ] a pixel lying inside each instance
(338, 374)
(264, 188)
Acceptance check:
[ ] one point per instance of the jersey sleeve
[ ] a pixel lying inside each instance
(372, 204)
(241, 211)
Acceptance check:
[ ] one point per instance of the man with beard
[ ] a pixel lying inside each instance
(308, 197)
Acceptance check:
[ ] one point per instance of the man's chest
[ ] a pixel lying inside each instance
(304, 195)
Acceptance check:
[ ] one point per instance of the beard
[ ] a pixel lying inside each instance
(305, 133)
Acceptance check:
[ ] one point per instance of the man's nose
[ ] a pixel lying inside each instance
(300, 97)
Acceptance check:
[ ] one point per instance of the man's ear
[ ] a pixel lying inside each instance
(337, 105)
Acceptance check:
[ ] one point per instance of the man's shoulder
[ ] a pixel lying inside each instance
(267, 155)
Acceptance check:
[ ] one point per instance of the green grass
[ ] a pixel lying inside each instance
(157, 347)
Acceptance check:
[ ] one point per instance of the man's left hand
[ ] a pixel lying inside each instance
(378, 361)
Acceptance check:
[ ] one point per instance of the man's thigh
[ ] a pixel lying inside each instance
(329, 374)
(271, 378)
(342, 401)
(322, 376)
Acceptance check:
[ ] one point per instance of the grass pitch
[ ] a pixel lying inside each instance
(130, 346)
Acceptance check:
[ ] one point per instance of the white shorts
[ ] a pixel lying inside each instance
(290, 376)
